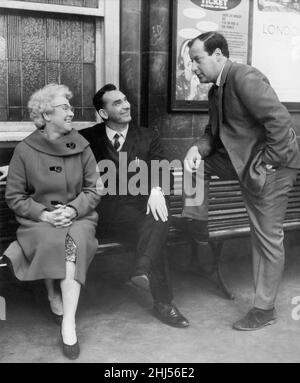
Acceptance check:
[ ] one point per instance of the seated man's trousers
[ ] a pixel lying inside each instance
(131, 225)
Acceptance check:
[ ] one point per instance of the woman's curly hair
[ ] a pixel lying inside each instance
(41, 102)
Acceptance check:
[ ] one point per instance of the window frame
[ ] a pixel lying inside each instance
(107, 45)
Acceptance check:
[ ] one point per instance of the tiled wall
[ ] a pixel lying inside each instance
(36, 51)
(145, 66)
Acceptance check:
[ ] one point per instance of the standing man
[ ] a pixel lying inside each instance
(138, 219)
(251, 138)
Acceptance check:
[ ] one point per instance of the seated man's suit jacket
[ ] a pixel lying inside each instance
(140, 144)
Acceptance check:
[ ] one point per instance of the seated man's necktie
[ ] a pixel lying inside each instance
(116, 141)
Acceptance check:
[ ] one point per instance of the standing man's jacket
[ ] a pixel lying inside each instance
(254, 127)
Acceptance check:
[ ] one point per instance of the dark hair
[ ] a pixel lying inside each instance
(212, 41)
(98, 98)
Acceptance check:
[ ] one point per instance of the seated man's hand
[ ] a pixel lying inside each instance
(3, 172)
(157, 205)
(192, 159)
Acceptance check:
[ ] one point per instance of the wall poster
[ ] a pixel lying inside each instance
(191, 18)
(276, 47)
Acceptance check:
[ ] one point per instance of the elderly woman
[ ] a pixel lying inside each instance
(51, 187)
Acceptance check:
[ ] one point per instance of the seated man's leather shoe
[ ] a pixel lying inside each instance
(255, 319)
(169, 314)
(142, 281)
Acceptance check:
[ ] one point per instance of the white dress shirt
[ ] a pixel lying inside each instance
(111, 134)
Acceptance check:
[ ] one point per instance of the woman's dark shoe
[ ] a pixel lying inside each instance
(57, 306)
(71, 352)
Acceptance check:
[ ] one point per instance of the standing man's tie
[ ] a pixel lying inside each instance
(116, 142)
(216, 96)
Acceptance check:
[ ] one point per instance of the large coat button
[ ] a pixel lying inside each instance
(57, 169)
(71, 145)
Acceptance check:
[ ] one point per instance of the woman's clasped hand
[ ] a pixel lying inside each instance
(61, 217)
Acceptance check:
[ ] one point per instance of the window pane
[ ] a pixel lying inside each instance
(14, 83)
(3, 114)
(52, 41)
(88, 42)
(71, 76)
(71, 41)
(35, 51)
(33, 38)
(88, 83)
(14, 42)
(14, 114)
(77, 3)
(3, 81)
(33, 78)
(52, 72)
(3, 37)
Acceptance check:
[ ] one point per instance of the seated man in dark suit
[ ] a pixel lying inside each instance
(141, 220)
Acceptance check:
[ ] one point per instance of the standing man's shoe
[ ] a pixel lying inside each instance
(169, 314)
(255, 319)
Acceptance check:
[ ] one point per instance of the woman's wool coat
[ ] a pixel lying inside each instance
(42, 174)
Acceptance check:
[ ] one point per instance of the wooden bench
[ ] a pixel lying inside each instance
(227, 219)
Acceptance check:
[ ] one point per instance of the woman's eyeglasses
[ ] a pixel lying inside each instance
(65, 107)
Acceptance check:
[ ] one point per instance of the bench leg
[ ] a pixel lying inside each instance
(214, 274)
(217, 248)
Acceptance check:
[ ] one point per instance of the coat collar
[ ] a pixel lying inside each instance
(72, 143)
(225, 72)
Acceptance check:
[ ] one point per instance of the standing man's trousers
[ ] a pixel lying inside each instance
(266, 215)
